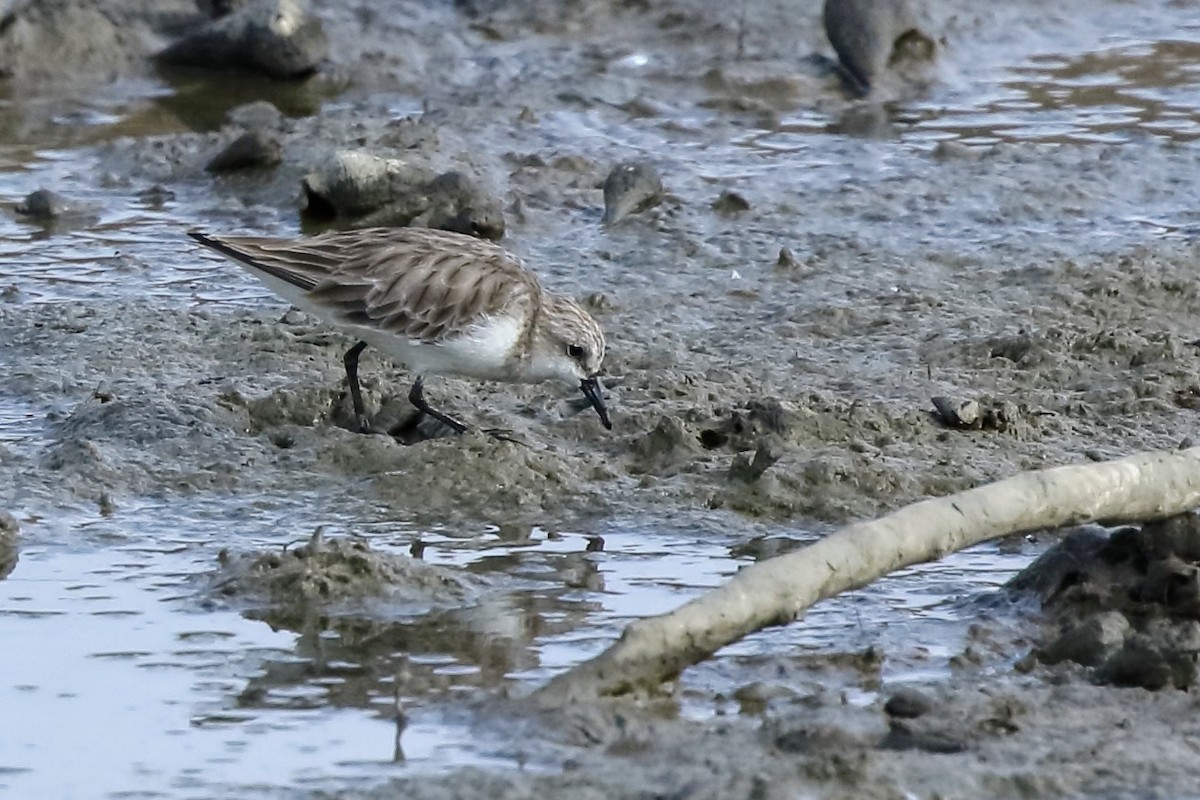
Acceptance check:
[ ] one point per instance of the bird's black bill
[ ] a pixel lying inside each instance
(591, 390)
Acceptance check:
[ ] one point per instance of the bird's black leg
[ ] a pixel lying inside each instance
(351, 362)
(416, 396)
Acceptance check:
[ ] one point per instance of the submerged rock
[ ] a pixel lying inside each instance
(274, 37)
(873, 37)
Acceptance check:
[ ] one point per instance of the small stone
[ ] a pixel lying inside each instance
(630, 188)
(957, 413)
(730, 202)
(46, 205)
(908, 703)
(786, 260)
(252, 149)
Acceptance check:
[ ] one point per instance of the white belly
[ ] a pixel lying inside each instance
(482, 351)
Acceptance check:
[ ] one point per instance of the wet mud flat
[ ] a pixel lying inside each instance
(771, 366)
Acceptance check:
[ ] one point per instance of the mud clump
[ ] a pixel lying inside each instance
(1126, 606)
(334, 574)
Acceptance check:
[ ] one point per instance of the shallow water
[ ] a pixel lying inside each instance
(112, 645)
(129, 682)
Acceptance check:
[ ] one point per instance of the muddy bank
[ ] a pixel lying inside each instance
(976, 741)
(143, 403)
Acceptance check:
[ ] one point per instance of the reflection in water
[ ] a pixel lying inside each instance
(1113, 95)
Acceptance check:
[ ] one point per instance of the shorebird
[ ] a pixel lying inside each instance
(437, 302)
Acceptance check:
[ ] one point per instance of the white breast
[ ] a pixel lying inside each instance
(484, 350)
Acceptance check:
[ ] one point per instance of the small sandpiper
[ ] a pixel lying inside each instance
(437, 302)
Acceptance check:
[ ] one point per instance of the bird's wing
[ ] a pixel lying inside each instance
(413, 282)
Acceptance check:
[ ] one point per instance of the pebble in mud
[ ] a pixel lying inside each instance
(873, 37)
(252, 149)
(630, 188)
(274, 37)
(975, 415)
(360, 189)
(1122, 605)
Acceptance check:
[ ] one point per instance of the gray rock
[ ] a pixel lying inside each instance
(51, 208)
(364, 190)
(908, 703)
(631, 187)
(274, 37)
(730, 202)
(252, 149)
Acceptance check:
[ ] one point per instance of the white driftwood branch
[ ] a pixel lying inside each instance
(774, 592)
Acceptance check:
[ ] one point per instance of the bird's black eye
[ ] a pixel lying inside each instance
(575, 351)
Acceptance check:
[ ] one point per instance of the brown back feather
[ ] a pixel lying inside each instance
(413, 282)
